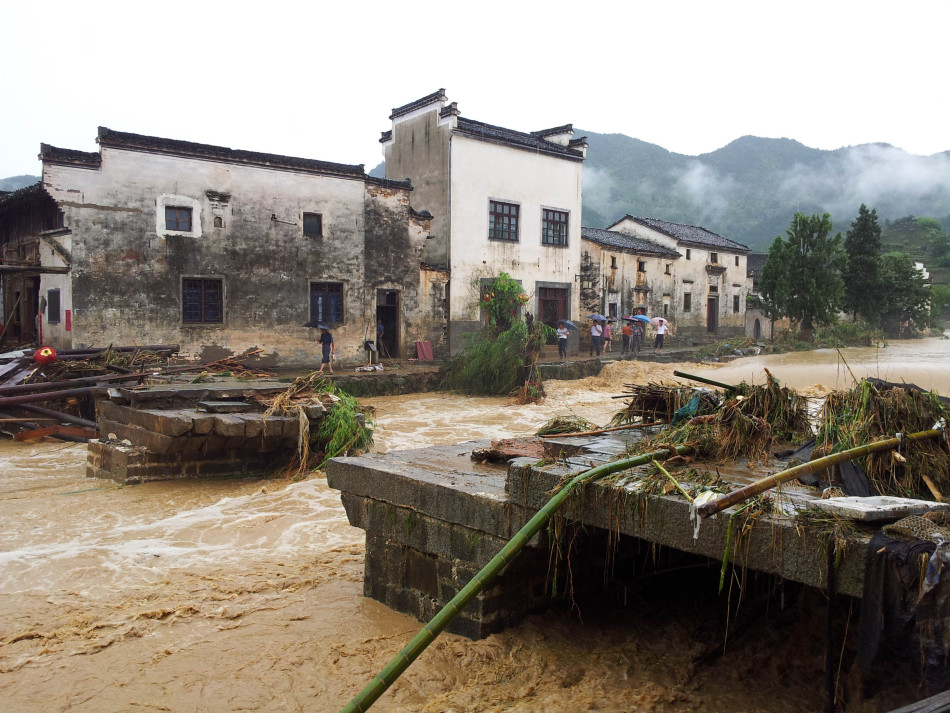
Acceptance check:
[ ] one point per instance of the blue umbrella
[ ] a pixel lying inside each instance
(598, 317)
(569, 324)
(641, 318)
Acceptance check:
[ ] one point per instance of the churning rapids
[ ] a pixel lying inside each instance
(246, 595)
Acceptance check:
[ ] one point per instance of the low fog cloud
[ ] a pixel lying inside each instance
(598, 191)
(879, 176)
(709, 191)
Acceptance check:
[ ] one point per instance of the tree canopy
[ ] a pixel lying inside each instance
(801, 278)
(862, 273)
(903, 296)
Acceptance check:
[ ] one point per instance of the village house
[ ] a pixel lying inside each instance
(501, 201)
(222, 251)
(693, 277)
(621, 273)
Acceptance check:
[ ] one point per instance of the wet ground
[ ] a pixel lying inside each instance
(245, 595)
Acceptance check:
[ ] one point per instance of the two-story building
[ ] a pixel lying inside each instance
(621, 273)
(153, 240)
(501, 201)
(703, 291)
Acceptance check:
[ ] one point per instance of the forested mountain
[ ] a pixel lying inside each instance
(14, 183)
(749, 190)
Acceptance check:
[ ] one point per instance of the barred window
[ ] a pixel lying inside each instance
(554, 227)
(326, 302)
(178, 219)
(503, 221)
(202, 301)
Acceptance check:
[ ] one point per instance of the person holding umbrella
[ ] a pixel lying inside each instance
(326, 342)
(596, 331)
(626, 333)
(562, 340)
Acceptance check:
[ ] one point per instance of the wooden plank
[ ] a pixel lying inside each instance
(38, 433)
(934, 704)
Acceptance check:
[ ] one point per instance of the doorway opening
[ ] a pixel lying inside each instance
(387, 314)
(712, 315)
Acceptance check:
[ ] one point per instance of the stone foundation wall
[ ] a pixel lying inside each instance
(138, 444)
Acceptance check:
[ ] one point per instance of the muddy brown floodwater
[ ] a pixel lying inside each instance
(246, 595)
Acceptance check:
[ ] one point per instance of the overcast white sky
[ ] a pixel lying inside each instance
(318, 79)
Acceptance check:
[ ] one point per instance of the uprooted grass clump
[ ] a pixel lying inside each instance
(346, 427)
(784, 409)
(566, 424)
(743, 425)
(875, 410)
(651, 402)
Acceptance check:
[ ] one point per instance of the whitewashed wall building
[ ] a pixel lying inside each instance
(152, 240)
(501, 201)
(691, 276)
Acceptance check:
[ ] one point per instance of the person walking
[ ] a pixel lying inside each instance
(608, 335)
(596, 332)
(626, 334)
(329, 349)
(562, 340)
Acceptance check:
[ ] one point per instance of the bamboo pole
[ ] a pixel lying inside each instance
(385, 678)
(760, 486)
(703, 380)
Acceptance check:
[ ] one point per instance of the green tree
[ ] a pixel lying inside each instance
(904, 298)
(801, 278)
(862, 273)
(939, 304)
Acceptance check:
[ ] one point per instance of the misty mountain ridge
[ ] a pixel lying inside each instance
(15, 183)
(749, 190)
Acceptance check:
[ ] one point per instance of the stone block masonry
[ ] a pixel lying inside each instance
(433, 519)
(162, 435)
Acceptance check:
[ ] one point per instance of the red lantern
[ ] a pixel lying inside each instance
(44, 355)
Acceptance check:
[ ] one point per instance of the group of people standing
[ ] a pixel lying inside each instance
(601, 336)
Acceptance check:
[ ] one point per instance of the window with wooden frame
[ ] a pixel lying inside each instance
(503, 220)
(178, 218)
(687, 302)
(714, 258)
(735, 304)
(641, 266)
(313, 225)
(202, 300)
(737, 261)
(52, 306)
(326, 302)
(554, 227)
(688, 253)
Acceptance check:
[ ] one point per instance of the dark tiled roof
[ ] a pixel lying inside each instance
(154, 144)
(53, 154)
(518, 139)
(388, 182)
(386, 136)
(626, 243)
(754, 263)
(555, 131)
(22, 195)
(418, 103)
(582, 141)
(689, 234)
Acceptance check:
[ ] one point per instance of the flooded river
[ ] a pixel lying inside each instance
(246, 595)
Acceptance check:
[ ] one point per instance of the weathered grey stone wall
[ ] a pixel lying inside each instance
(126, 280)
